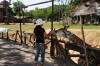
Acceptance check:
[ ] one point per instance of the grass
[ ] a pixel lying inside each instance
(27, 27)
(30, 26)
(55, 25)
(86, 26)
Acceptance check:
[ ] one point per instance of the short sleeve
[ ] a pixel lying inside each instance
(43, 30)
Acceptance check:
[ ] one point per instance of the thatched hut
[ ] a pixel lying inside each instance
(5, 10)
(1, 11)
(90, 8)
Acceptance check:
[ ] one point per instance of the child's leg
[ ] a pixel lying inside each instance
(42, 52)
(37, 53)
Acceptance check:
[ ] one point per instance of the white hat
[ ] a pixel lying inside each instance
(39, 22)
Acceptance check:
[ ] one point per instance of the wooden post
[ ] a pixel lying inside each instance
(21, 33)
(66, 49)
(2, 35)
(52, 42)
(7, 35)
(25, 38)
(83, 37)
(30, 37)
(16, 35)
(98, 19)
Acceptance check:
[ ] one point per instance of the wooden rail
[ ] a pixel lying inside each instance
(15, 36)
(62, 50)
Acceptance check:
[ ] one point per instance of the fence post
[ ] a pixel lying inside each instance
(52, 42)
(25, 38)
(7, 35)
(16, 35)
(2, 35)
(30, 37)
(67, 51)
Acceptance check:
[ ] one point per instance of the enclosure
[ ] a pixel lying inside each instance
(68, 42)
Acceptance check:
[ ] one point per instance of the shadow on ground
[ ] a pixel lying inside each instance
(14, 54)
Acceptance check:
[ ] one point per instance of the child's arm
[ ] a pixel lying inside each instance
(33, 36)
(46, 35)
(49, 34)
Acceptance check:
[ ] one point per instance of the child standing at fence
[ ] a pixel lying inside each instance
(39, 34)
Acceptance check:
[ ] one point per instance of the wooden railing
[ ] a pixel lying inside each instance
(62, 50)
(15, 35)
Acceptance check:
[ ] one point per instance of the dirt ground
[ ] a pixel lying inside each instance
(92, 36)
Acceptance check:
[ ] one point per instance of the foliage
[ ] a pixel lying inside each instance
(17, 10)
(59, 10)
(64, 8)
(41, 13)
(9, 9)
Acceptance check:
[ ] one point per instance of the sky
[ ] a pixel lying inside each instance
(28, 2)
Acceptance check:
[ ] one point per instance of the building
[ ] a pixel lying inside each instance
(1, 11)
(4, 10)
(89, 8)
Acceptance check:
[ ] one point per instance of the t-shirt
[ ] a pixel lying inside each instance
(39, 33)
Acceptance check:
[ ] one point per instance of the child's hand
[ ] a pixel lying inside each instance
(46, 47)
(52, 32)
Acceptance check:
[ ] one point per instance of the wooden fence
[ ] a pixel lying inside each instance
(15, 35)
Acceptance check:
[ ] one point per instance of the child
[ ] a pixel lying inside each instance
(39, 34)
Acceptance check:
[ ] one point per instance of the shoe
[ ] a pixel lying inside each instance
(35, 64)
(41, 65)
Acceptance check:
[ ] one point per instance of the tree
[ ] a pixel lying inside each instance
(6, 11)
(60, 10)
(17, 8)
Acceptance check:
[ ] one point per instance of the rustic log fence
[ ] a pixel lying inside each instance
(62, 50)
(15, 36)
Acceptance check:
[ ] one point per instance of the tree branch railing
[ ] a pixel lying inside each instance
(15, 36)
(62, 50)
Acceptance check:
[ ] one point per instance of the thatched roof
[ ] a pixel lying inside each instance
(91, 1)
(98, 11)
(21, 5)
(87, 9)
(4, 3)
(1, 6)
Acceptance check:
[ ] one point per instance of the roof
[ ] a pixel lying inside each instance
(98, 11)
(3, 3)
(1, 6)
(21, 5)
(87, 9)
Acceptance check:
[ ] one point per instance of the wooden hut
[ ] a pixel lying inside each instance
(1, 11)
(5, 11)
(90, 8)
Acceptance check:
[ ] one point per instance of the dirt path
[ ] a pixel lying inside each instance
(14, 54)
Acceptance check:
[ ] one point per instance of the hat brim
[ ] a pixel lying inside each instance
(40, 23)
